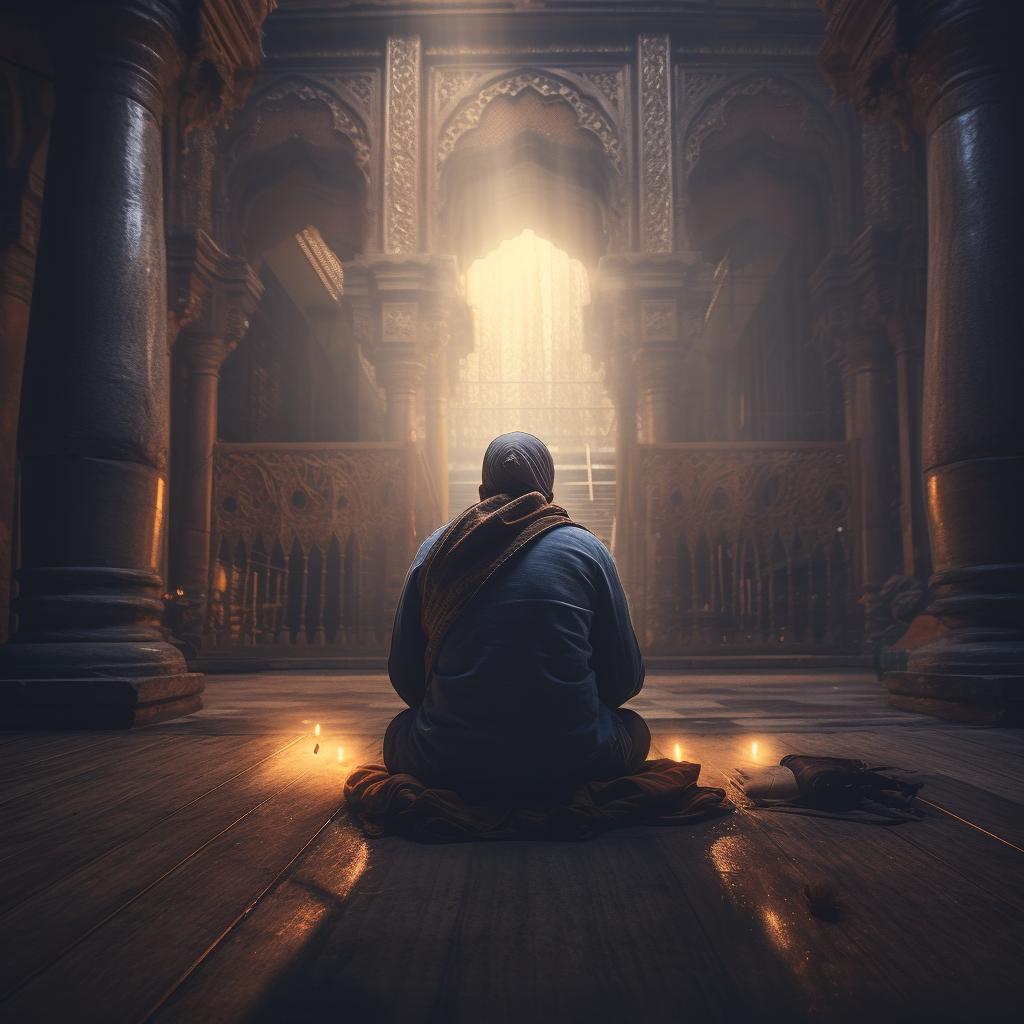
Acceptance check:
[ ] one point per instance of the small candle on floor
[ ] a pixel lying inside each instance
(316, 749)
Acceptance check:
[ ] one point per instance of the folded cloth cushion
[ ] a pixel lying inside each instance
(662, 792)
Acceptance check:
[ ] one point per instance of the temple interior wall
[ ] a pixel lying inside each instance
(397, 142)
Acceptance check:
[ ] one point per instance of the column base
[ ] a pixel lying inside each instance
(988, 700)
(94, 686)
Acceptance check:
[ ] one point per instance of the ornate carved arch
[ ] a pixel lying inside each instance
(712, 115)
(588, 114)
(305, 90)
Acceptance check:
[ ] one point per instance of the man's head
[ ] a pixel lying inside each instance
(515, 464)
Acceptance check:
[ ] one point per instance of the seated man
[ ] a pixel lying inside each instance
(512, 645)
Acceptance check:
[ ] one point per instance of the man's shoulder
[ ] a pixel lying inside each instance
(424, 549)
(577, 538)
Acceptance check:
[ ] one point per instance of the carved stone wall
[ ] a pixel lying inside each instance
(311, 542)
(752, 545)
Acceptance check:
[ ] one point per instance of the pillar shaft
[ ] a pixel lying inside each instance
(203, 357)
(94, 413)
(863, 385)
(436, 407)
(658, 376)
(973, 425)
(913, 523)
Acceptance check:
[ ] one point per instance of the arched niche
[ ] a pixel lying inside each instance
(299, 155)
(529, 150)
(762, 150)
(764, 176)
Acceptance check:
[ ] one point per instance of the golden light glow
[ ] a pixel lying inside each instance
(679, 752)
(753, 749)
(158, 521)
(316, 729)
(529, 369)
(341, 754)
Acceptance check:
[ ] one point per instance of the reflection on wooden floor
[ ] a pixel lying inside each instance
(196, 872)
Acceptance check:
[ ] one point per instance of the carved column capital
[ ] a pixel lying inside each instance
(132, 47)
(900, 60)
(224, 62)
(405, 300)
(644, 299)
(406, 314)
(210, 298)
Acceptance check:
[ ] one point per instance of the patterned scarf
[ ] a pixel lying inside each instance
(483, 538)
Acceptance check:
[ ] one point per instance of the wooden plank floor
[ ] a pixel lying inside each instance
(199, 871)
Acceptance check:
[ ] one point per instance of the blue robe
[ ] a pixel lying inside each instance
(525, 680)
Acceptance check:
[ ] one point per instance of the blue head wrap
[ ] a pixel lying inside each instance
(515, 464)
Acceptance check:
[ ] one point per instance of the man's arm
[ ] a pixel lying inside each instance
(408, 641)
(616, 661)
(409, 645)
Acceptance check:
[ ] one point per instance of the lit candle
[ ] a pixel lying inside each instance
(679, 752)
(753, 749)
(316, 729)
(341, 753)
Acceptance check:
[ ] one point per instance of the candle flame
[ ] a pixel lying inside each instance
(679, 752)
(753, 749)
(341, 753)
(316, 729)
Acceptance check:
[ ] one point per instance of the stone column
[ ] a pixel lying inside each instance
(658, 379)
(951, 69)
(94, 414)
(436, 427)
(622, 374)
(908, 350)
(864, 363)
(653, 303)
(212, 298)
(17, 265)
(862, 346)
(93, 432)
(407, 317)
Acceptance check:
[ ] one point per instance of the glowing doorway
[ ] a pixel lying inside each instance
(529, 371)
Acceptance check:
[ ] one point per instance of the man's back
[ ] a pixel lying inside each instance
(525, 678)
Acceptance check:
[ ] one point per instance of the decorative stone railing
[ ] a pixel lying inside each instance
(744, 546)
(311, 543)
